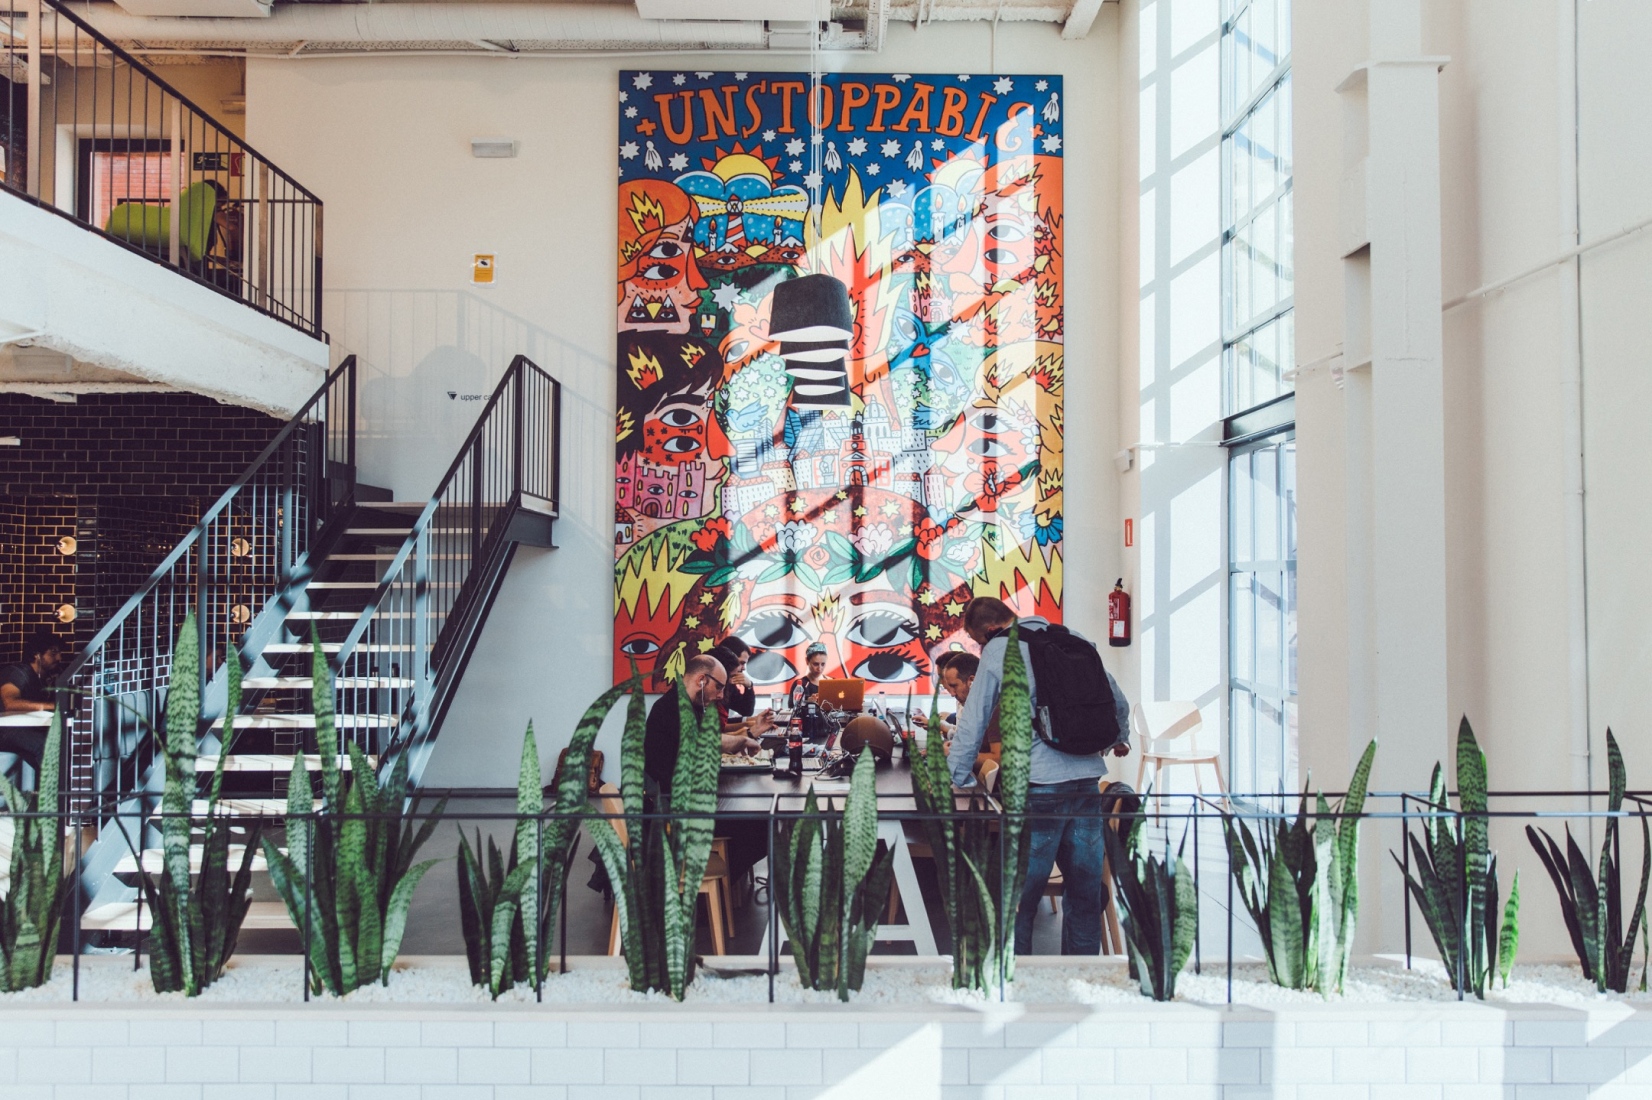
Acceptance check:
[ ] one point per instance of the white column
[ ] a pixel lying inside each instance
(1393, 363)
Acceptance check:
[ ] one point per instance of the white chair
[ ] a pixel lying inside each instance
(1171, 734)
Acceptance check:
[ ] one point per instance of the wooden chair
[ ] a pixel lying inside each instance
(1169, 734)
(1112, 936)
(715, 887)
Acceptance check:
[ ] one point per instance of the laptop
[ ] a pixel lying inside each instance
(842, 694)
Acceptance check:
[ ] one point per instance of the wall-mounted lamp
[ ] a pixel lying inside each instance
(494, 148)
(11, 441)
(65, 613)
(67, 545)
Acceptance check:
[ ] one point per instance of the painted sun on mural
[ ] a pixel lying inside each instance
(840, 367)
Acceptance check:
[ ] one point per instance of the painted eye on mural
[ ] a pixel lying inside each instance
(772, 630)
(679, 418)
(736, 350)
(680, 445)
(987, 448)
(658, 272)
(906, 328)
(769, 668)
(887, 668)
(988, 422)
(999, 256)
(639, 646)
(881, 629)
(1006, 231)
(665, 250)
(688, 494)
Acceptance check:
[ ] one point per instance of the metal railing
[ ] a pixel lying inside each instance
(1172, 832)
(409, 645)
(243, 552)
(87, 131)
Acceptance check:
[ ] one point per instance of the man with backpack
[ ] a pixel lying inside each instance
(1080, 717)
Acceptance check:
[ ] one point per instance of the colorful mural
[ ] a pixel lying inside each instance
(753, 494)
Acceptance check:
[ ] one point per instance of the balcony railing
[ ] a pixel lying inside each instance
(90, 133)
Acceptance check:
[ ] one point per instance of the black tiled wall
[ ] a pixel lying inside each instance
(128, 475)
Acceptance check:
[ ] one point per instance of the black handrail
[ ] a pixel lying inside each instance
(271, 263)
(242, 552)
(438, 584)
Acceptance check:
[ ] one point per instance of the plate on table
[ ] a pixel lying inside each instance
(762, 760)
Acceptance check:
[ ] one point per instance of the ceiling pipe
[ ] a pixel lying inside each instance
(450, 25)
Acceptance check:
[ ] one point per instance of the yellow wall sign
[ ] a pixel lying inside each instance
(481, 269)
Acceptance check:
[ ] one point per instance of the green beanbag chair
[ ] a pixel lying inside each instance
(150, 224)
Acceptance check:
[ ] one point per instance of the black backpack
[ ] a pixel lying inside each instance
(1076, 712)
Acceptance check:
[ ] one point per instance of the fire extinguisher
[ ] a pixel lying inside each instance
(1118, 615)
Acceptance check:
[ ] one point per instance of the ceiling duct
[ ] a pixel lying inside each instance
(493, 27)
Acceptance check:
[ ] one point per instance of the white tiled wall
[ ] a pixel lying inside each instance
(699, 1052)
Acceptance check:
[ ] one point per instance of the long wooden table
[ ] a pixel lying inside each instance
(759, 791)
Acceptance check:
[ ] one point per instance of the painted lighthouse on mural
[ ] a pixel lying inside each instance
(795, 469)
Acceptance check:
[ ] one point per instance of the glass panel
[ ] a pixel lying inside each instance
(1242, 739)
(1290, 631)
(1270, 601)
(1242, 650)
(1287, 480)
(1239, 509)
(1269, 739)
(1267, 503)
(1292, 782)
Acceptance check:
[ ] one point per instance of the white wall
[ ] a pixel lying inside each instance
(385, 143)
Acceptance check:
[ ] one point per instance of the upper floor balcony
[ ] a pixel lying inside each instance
(143, 243)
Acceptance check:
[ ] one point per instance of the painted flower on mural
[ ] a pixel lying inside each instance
(928, 534)
(990, 485)
(873, 541)
(794, 536)
(818, 556)
(708, 536)
(1044, 528)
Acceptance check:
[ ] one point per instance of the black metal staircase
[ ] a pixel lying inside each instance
(397, 593)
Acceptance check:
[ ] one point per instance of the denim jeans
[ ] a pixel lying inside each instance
(1076, 843)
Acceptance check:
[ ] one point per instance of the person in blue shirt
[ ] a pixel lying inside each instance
(1063, 788)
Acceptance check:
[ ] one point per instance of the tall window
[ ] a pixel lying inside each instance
(1258, 348)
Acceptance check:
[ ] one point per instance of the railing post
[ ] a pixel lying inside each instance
(37, 30)
(420, 663)
(261, 288)
(476, 501)
(556, 446)
(315, 321)
(519, 368)
(174, 187)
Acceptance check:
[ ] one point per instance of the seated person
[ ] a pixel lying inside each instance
(809, 683)
(705, 679)
(941, 663)
(733, 720)
(740, 696)
(26, 688)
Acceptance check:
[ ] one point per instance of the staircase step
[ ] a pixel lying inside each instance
(369, 585)
(334, 647)
(154, 860)
(392, 556)
(305, 683)
(269, 762)
(126, 916)
(403, 532)
(342, 616)
(307, 721)
(231, 808)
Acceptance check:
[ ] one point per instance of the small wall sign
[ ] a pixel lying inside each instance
(1129, 532)
(481, 269)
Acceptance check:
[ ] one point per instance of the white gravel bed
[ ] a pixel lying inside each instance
(277, 980)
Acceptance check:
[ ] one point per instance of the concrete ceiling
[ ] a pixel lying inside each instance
(309, 28)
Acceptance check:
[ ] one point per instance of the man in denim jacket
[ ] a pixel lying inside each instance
(1063, 788)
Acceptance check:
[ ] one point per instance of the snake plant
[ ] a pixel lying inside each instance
(33, 906)
(831, 881)
(1593, 905)
(1455, 879)
(501, 899)
(655, 868)
(1158, 907)
(1301, 885)
(196, 918)
(980, 887)
(348, 876)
